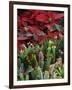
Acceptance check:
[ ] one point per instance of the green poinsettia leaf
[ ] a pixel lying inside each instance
(21, 34)
(56, 27)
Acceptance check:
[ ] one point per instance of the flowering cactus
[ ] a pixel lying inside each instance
(41, 59)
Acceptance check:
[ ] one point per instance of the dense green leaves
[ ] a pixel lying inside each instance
(29, 65)
(37, 74)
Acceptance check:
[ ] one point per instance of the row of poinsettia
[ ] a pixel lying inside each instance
(40, 25)
(35, 16)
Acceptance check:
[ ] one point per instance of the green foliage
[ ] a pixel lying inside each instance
(47, 64)
(37, 74)
(45, 47)
(56, 27)
(26, 52)
(33, 61)
(60, 46)
(21, 76)
(31, 65)
(46, 74)
(60, 70)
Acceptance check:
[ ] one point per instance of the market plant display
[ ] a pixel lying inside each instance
(40, 44)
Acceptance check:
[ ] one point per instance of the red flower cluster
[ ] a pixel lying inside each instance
(39, 24)
(35, 16)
